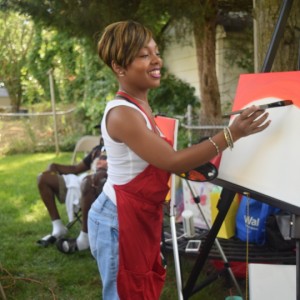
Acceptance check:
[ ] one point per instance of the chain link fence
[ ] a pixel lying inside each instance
(37, 132)
(41, 132)
(195, 131)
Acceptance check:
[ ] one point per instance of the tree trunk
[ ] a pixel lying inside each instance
(205, 40)
(266, 14)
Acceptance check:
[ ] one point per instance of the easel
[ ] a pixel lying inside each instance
(230, 189)
(227, 267)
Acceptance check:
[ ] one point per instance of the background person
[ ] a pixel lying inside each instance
(125, 221)
(91, 187)
(56, 182)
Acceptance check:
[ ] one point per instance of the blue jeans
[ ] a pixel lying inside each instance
(103, 237)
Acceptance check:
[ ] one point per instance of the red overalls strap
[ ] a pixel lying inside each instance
(141, 275)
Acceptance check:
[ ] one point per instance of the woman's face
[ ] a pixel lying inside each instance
(144, 72)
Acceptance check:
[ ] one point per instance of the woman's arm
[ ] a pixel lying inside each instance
(127, 125)
(68, 169)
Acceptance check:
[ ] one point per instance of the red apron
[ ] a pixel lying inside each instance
(141, 275)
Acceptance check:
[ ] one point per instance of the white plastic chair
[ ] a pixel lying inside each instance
(84, 145)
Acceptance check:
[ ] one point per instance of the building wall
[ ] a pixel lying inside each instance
(4, 101)
(4, 98)
(180, 59)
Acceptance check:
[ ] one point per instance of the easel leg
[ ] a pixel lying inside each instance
(176, 258)
(298, 269)
(218, 245)
(175, 247)
(295, 234)
(226, 199)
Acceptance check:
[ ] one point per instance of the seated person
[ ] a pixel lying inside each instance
(55, 183)
(91, 187)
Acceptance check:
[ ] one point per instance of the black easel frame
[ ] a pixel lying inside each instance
(229, 190)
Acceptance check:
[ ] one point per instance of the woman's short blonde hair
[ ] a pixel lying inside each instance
(121, 42)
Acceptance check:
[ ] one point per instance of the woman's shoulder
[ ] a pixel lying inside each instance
(122, 102)
(119, 102)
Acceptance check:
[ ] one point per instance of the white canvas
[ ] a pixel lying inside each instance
(268, 162)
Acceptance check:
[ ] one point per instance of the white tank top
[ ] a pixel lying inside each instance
(123, 164)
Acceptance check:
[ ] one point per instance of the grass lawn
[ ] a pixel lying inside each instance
(28, 271)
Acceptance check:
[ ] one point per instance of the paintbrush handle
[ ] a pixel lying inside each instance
(236, 112)
(262, 107)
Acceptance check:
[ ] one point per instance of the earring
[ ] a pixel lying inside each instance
(121, 74)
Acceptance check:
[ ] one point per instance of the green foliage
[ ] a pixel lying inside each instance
(40, 61)
(88, 18)
(101, 86)
(183, 138)
(28, 52)
(79, 76)
(15, 40)
(19, 146)
(68, 143)
(82, 80)
(171, 99)
(172, 96)
(67, 57)
(242, 51)
(78, 18)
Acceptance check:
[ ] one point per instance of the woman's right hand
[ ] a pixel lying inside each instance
(251, 120)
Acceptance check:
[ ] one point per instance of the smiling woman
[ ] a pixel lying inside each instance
(125, 221)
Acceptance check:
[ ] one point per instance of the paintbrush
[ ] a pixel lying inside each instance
(263, 107)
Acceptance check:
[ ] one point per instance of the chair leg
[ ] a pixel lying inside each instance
(77, 218)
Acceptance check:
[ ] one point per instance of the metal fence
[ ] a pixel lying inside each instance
(38, 132)
(33, 132)
(196, 131)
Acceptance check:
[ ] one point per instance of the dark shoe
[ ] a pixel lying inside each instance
(46, 241)
(67, 246)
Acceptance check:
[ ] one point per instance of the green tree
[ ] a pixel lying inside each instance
(79, 18)
(15, 37)
(88, 18)
(56, 50)
(76, 68)
(266, 13)
(180, 93)
(201, 18)
(41, 58)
